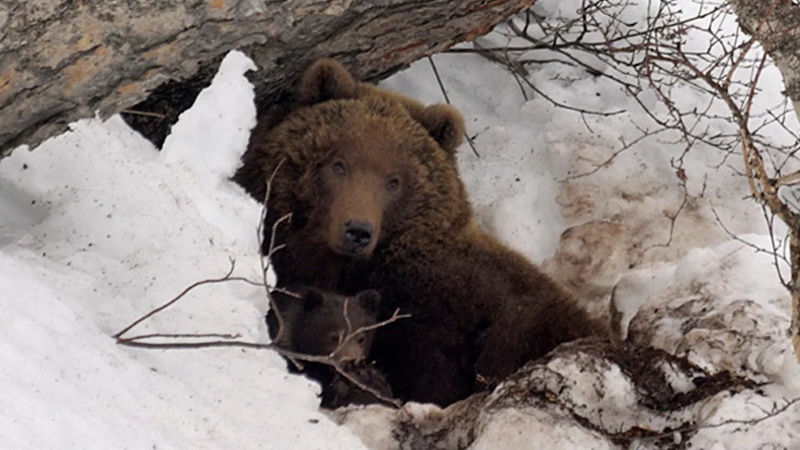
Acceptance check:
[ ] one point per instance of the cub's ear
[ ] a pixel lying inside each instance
(324, 80)
(312, 298)
(369, 300)
(445, 125)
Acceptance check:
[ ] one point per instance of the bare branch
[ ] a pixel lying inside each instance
(447, 99)
(134, 112)
(352, 335)
(266, 260)
(770, 414)
(225, 278)
(144, 341)
(789, 179)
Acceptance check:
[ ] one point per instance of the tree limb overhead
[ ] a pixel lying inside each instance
(63, 60)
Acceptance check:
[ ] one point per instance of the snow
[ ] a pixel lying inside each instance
(531, 422)
(97, 228)
(746, 300)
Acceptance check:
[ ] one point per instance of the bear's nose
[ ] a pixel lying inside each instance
(357, 235)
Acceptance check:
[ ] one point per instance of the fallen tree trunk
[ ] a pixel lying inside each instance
(62, 60)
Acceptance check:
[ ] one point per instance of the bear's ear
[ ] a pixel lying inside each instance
(312, 298)
(325, 80)
(369, 300)
(445, 125)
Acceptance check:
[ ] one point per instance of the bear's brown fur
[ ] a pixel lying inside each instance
(355, 154)
(327, 324)
(328, 80)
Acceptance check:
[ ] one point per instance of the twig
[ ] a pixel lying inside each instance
(330, 360)
(346, 312)
(364, 387)
(447, 99)
(607, 162)
(227, 277)
(674, 216)
(513, 68)
(787, 180)
(266, 260)
(775, 412)
(773, 253)
(395, 317)
(439, 80)
(185, 335)
(135, 112)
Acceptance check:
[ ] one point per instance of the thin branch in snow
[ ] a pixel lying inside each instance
(145, 341)
(787, 180)
(168, 340)
(143, 113)
(774, 252)
(673, 217)
(653, 57)
(166, 305)
(187, 335)
(266, 260)
(607, 162)
(694, 428)
(447, 99)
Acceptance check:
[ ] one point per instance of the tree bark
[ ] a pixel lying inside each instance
(775, 24)
(62, 60)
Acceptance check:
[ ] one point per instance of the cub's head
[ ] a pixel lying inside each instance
(325, 323)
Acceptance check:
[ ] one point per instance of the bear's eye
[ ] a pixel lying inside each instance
(338, 168)
(393, 184)
(361, 339)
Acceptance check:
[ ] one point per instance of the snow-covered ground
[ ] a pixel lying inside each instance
(97, 228)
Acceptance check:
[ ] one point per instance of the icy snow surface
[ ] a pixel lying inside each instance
(98, 228)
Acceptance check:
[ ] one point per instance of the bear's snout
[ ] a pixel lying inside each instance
(357, 236)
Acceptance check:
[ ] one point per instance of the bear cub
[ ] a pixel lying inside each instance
(322, 323)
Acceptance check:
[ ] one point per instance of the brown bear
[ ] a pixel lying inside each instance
(377, 203)
(327, 324)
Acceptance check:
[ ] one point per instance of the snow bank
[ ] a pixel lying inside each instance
(98, 228)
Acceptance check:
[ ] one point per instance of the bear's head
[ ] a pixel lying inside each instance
(361, 181)
(326, 80)
(362, 167)
(325, 323)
